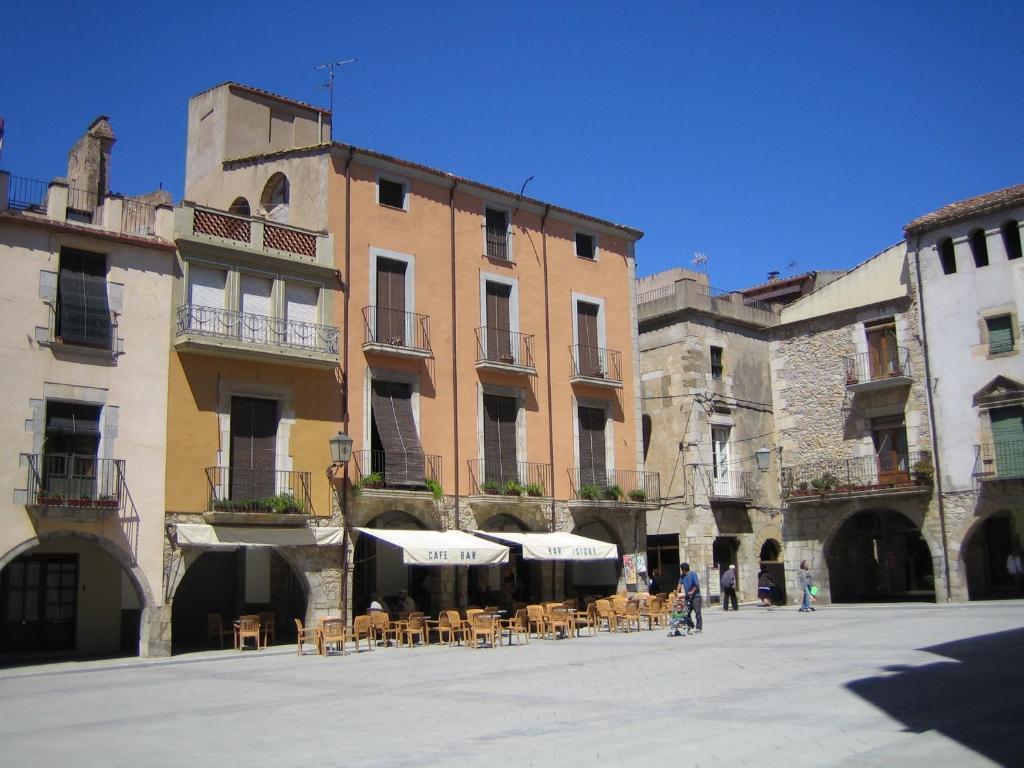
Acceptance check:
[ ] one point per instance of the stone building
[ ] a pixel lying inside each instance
(967, 259)
(851, 415)
(85, 301)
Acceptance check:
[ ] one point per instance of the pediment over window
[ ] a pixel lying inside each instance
(1001, 391)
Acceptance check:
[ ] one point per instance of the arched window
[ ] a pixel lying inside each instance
(275, 197)
(1011, 239)
(240, 207)
(979, 248)
(947, 256)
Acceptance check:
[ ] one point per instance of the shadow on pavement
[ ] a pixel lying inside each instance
(975, 701)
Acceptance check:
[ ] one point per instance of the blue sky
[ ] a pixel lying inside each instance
(762, 134)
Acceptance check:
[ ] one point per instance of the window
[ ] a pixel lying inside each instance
(390, 193)
(253, 448)
(276, 195)
(716, 362)
(585, 246)
(300, 307)
(720, 461)
(883, 352)
(390, 309)
(394, 439)
(240, 207)
(499, 322)
(83, 314)
(39, 595)
(593, 469)
(1008, 437)
(496, 234)
(500, 439)
(70, 449)
(947, 256)
(1011, 239)
(979, 248)
(256, 302)
(1000, 334)
(590, 356)
(889, 435)
(206, 297)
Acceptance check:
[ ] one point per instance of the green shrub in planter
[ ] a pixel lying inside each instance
(613, 492)
(637, 494)
(490, 487)
(435, 488)
(534, 489)
(591, 492)
(512, 488)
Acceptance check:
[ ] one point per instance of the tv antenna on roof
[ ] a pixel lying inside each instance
(699, 259)
(329, 85)
(791, 267)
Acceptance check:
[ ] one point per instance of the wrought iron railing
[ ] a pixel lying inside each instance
(395, 328)
(137, 217)
(24, 194)
(497, 240)
(82, 204)
(237, 489)
(655, 294)
(620, 485)
(863, 473)
(502, 346)
(731, 483)
(874, 366)
(74, 480)
(405, 470)
(596, 363)
(219, 323)
(999, 461)
(509, 478)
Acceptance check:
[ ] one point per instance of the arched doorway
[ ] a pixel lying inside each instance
(379, 570)
(597, 577)
(69, 596)
(771, 561)
(985, 553)
(879, 555)
(518, 581)
(231, 583)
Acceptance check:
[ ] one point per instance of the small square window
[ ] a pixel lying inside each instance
(496, 234)
(716, 362)
(585, 246)
(391, 193)
(1000, 334)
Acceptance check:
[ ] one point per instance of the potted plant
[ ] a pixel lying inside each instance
(508, 358)
(534, 489)
(371, 480)
(435, 488)
(637, 494)
(613, 492)
(106, 501)
(824, 483)
(490, 487)
(512, 488)
(923, 471)
(590, 492)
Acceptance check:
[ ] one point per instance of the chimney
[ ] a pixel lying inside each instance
(89, 160)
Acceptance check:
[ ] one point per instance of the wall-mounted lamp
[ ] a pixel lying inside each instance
(341, 452)
(764, 458)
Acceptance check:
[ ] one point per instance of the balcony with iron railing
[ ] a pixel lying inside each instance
(396, 332)
(499, 349)
(889, 473)
(595, 365)
(614, 487)
(242, 334)
(731, 486)
(75, 485)
(878, 369)
(999, 461)
(258, 496)
(384, 472)
(509, 480)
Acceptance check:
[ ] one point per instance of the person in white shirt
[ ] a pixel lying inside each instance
(1015, 568)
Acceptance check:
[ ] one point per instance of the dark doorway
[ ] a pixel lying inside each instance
(663, 554)
(771, 561)
(516, 582)
(39, 603)
(379, 570)
(986, 554)
(598, 578)
(880, 556)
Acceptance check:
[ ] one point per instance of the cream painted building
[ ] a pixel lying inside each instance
(86, 296)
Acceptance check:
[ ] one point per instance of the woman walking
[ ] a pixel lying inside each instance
(805, 583)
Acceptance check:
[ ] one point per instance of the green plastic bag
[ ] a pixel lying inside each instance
(813, 590)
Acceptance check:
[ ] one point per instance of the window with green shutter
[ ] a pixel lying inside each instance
(1000, 334)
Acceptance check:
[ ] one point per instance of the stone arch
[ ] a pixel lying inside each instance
(983, 574)
(152, 641)
(389, 573)
(772, 532)
(501, 517)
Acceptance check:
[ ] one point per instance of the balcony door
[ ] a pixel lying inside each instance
(1008, 436)
(500, 439)
(883, 354)
(721, 482)
(253, 448)
(499, 323)
(70, 449)
(593, 467)
(396, 449)
(207, 293)
(390, 308)
(589, 352)
(256, 307)
(890, 439)
(300, 310)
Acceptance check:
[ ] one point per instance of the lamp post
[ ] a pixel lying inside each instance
(341, 452)
(764, 458)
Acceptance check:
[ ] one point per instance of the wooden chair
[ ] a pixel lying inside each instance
(306, 635)
(631, 615)
(517, 625)
(459, 626)
(361, 628)
(267, 623)
(416, 625)
(381, 628)
(537, 621)
(651, 612)
(215, 627)
(482, 625)
(334, 633)
(587, 618)
(439, 626)
(559, 621)
(248, 628)
(605, 615)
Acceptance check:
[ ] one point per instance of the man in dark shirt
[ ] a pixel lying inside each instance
(729, 589)
(689, 585)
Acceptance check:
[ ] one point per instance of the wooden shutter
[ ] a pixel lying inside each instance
(83, 313)
(593, 470)
(499, 324)
(1008, 436)
(500, 439)
(391, 301)
(586, 335)
(1000, 334)
(253, 448)
(404, 462)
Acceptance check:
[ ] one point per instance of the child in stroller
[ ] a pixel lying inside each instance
(679, 618)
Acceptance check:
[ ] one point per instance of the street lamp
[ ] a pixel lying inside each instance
(341, 452)
(764, 458)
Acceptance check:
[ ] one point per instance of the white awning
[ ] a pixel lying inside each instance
(557, 545)
(441, 547)
(230, 537)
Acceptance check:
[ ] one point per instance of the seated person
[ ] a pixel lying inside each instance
(405, 603)
(378, 604)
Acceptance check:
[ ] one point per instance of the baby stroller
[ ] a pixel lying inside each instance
(679, 621)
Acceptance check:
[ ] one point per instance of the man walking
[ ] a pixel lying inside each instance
(804, 583)
(689, 585)
(729, 589)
